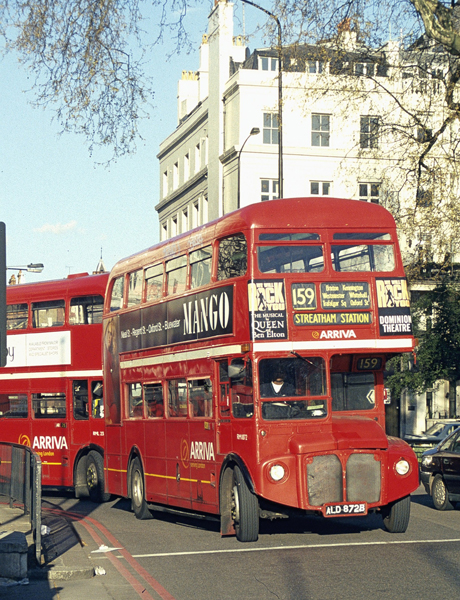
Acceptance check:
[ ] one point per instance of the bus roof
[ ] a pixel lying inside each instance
(78, 285)
(316, 213)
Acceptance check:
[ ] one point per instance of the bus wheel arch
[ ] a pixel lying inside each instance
(95, 477)
(239, 505)
(136, 488)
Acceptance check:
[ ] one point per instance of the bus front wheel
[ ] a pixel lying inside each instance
(95, 477)
(396, 515)
(138, 503)
(245, 509)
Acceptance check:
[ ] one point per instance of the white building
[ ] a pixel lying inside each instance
(338, 128)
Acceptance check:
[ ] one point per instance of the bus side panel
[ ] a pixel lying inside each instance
(155, 460)
(203, 466)
(115, 474)
(178, 462)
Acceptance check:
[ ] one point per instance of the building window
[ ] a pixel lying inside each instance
(268, 64)
(196, 214)
(185, 220)
(364, 69)
(197, 158)
(204, 150)
(186, 167)
(369, 192)
(320, 188)
(369, 132)
(270, 128)
(315, 66)
(269, 189)
(205, 209)
(165, 184)
(175, 176)
(320, 130)
(164, 232)
(173, 226)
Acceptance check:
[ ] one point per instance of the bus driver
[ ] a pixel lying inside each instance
(277, 387)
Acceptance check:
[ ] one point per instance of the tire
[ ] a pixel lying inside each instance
(440, 494)
(138, 503)
(245, 509)
(95, 477)
(396, 517)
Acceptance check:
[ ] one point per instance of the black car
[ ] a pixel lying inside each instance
(435, 434)
(440, 472)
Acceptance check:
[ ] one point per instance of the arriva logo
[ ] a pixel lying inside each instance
(48, 442)
(202, 451)
(24, 440)
(335, 334)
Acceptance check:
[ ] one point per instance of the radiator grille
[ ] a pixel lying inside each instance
(363, 478)
(324, 480)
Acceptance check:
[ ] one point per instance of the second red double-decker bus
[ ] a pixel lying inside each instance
(243, 367)
(51, 387)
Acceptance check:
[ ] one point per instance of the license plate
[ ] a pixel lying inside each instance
(345, 509)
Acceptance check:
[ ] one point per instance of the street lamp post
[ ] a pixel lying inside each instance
(254, 131)
(31, 268)
(280, 94)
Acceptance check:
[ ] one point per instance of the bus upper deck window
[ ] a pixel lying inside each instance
(16, 316)
(135, 288)
(200, 265)
(153, 283)
(176, 275)
(86, 310)
(357, 256)
(290, 259)
(48, 314)
(233, 257)
(352, 391)
(116, 299)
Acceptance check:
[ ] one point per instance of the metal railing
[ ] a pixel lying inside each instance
(21, 484)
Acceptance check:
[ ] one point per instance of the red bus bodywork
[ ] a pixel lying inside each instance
(195, 327)
(51, 386)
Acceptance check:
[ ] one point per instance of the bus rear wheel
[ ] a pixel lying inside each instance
(95, 477)
(245, 509)
(138, 503)
(396, 515)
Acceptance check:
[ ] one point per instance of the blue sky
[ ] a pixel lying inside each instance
(59, 209)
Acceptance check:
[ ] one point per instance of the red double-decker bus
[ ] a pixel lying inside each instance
(243, 367)
(51, 387)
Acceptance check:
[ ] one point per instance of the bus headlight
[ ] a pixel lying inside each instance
(277, 472)
(402, 467)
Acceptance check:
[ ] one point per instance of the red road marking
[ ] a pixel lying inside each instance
(89, 523)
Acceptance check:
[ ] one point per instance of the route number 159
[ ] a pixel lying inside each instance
(303, 296)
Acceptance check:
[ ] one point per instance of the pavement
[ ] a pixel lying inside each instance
(67, 568)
